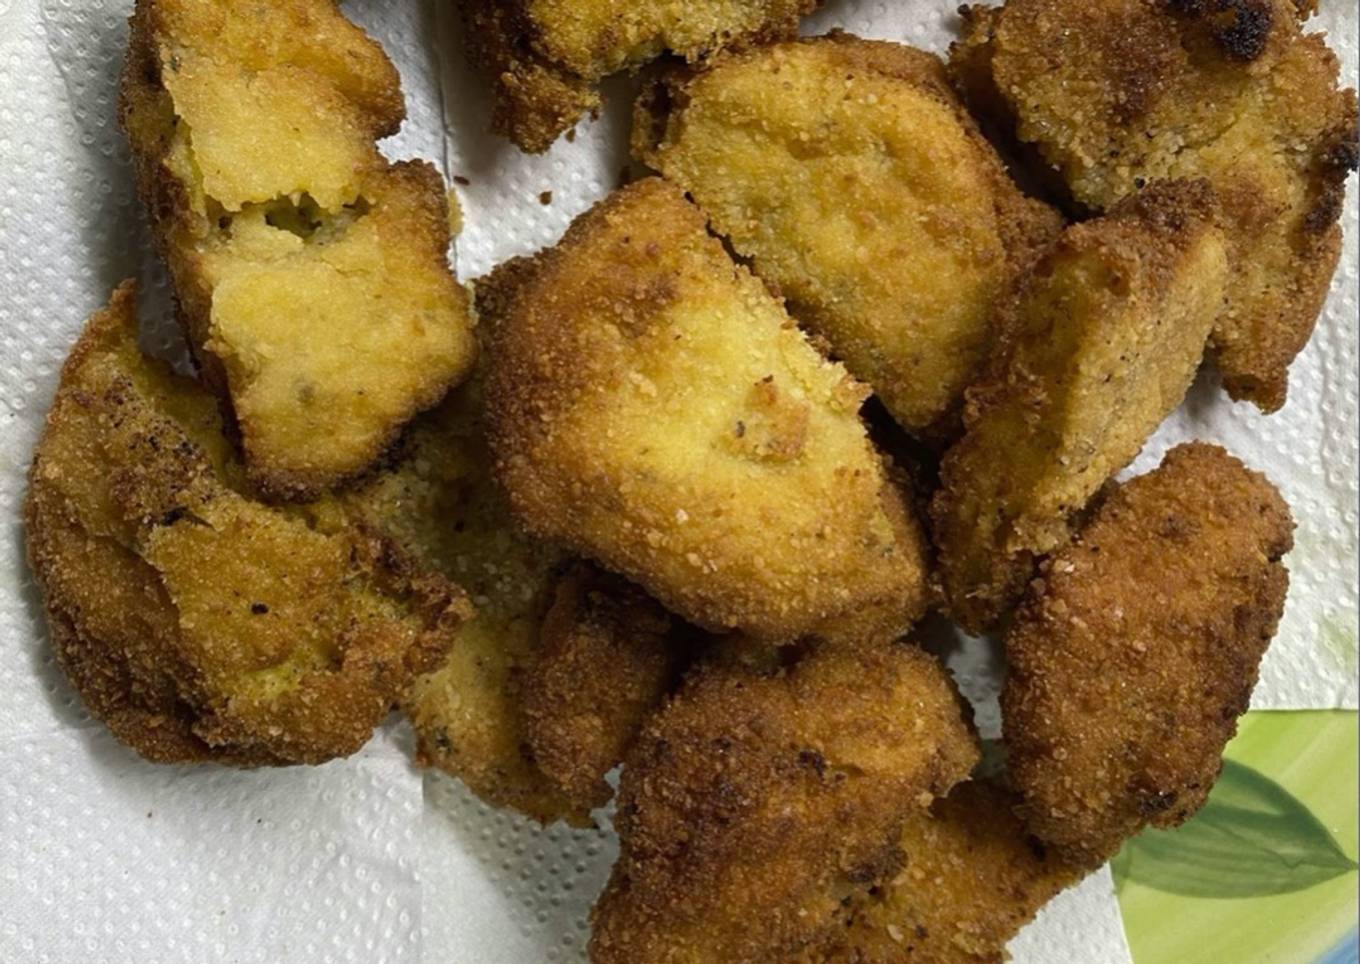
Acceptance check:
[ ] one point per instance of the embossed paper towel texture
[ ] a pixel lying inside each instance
(103, 857)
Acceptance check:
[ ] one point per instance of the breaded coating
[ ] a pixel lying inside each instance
(507, 692)
(1099, 344)
(545, 58)
(1133, 656)
(468, 713)
(852, 176)
(311, 274)
(608, 655)
(652, 406)
(971, 878)
(197, 624)
(1113, 94)
(756, 803)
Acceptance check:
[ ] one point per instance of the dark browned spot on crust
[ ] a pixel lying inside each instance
(1240, 27)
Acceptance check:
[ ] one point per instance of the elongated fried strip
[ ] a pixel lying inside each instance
(851, 174)
(651, 406)
(756, 802)
(608, 655)
(1133, 657)
(1116, 93)
(311, 274)
(1099, 345)
(545, 58)
(199, 624)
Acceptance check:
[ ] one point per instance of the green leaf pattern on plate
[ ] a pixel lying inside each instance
(1266, 872)
(1253, 838)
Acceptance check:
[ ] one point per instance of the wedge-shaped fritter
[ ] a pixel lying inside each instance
(972, 876)
(197, 624)
(755, 803)
(1133, 657)
(852, 176)
(311, 274)
(546, 57)
(1116, 93)
(1098, 346)
(504, 712)
(653, 407)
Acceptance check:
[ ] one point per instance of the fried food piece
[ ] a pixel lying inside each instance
(972, 877)
(1132, 658)
(197, 624)
(503, 712)
(311, 274)
(651, 406)
(755, 803)
(1116, 93)
(545, 58)
(1099, 344)
(468, 712)
(608, 655)
(852, 176)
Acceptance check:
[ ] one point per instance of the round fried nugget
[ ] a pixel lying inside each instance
(1138, 649)
(764, 795)
(651, 406)
(198, 624)
(1113, 94)
(852, 176)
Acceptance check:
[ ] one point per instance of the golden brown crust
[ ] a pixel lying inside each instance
(652, 407)
(1137, 650)
(197, 624)
(279, 248)
(757, 800)
(852, 176)
(1117, 93)
(972, 877)
(608, 654)
(545, 58)
(1098, 344)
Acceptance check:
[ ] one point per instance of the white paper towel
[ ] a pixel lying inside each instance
(106, 858)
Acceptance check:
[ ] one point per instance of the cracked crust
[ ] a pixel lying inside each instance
(1117, 93)
(1098, 345)
(853, 177)
(652, 407)
(197, 624)
(1138, 648)
(546, 58)
(763, 796)
(311, 274)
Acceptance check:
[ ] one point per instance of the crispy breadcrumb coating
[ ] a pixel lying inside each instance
(197, 624)
(971, 877)
(651, 406)
(852, 176)
(1133, 656)
(545, 58)
(507, 711)
(608, 655)
(756, 802)
(1116, 93)
(1097, 347)
(311, 274)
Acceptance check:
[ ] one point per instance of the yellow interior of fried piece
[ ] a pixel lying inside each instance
(312, 274)
(1100, 345)
(853, 177)
(1117, 93)
(254, 638)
